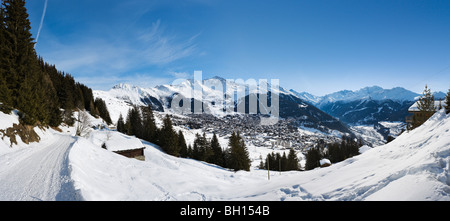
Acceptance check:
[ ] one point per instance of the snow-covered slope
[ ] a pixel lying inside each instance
(38, 171)
(415, 166)
(366, 106)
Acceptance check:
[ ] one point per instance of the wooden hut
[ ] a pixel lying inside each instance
(127, 146)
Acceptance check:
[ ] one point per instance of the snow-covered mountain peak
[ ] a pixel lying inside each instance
(366, 93)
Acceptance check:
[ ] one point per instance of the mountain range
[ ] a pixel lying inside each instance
(366, 106)
(334, 111)
(234, 94)
(366, 93)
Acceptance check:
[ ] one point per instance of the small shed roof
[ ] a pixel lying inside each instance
(121, 142)
(325, 162)
(414, 107)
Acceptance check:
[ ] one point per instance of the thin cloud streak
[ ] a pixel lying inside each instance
(112, 57)
(42, 22)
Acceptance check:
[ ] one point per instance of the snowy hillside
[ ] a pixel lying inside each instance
(415, 166)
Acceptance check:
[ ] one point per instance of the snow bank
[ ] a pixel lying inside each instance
(415, 166)
(8, 120)
(114, 140)
(102, 175)
(119, 142)
(364, 148)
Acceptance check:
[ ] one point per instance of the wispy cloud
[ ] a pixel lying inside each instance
(105, 82)
(180, 75)
(161, 48)
(112, 57)
(42, 21)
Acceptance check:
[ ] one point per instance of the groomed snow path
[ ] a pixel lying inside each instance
(38, 173)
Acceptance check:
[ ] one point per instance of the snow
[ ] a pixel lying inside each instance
(364, 148)
(417, 161)
(115, 141)
(39, 171)
(374, 93)
(324, 162)
(415, 166)
(8, 120)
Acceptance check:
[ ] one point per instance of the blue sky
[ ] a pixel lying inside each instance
(318, 46)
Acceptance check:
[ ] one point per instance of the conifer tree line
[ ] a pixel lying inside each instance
(335, 152)
(37, 89)
(235, 156)
(278, 162)
(140, 122)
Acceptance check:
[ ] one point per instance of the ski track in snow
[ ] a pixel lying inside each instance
(40, 172)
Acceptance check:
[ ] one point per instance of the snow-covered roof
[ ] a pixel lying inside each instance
(414, 107)
(325, 162)
(121, 142)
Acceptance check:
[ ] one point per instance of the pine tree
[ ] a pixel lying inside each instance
(184, 152)
(196, 153)
(54, 113)
(121, 124)
(23, 75)
(292, 160)
(312, 159)
(426, 108)
(189, 151)
(447, 102)
(100, 106)
(335, 153)
(169, 138)
(206, 149)
(426, 102)
(148, 124)
(28, 83)
(202, 148)
(5, 93)
(134, 122)
(217, 152)
(239, 156)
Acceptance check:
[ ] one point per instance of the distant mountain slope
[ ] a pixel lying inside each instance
(373, 93)
(121, 97)
(368, 111)
(368, 105)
